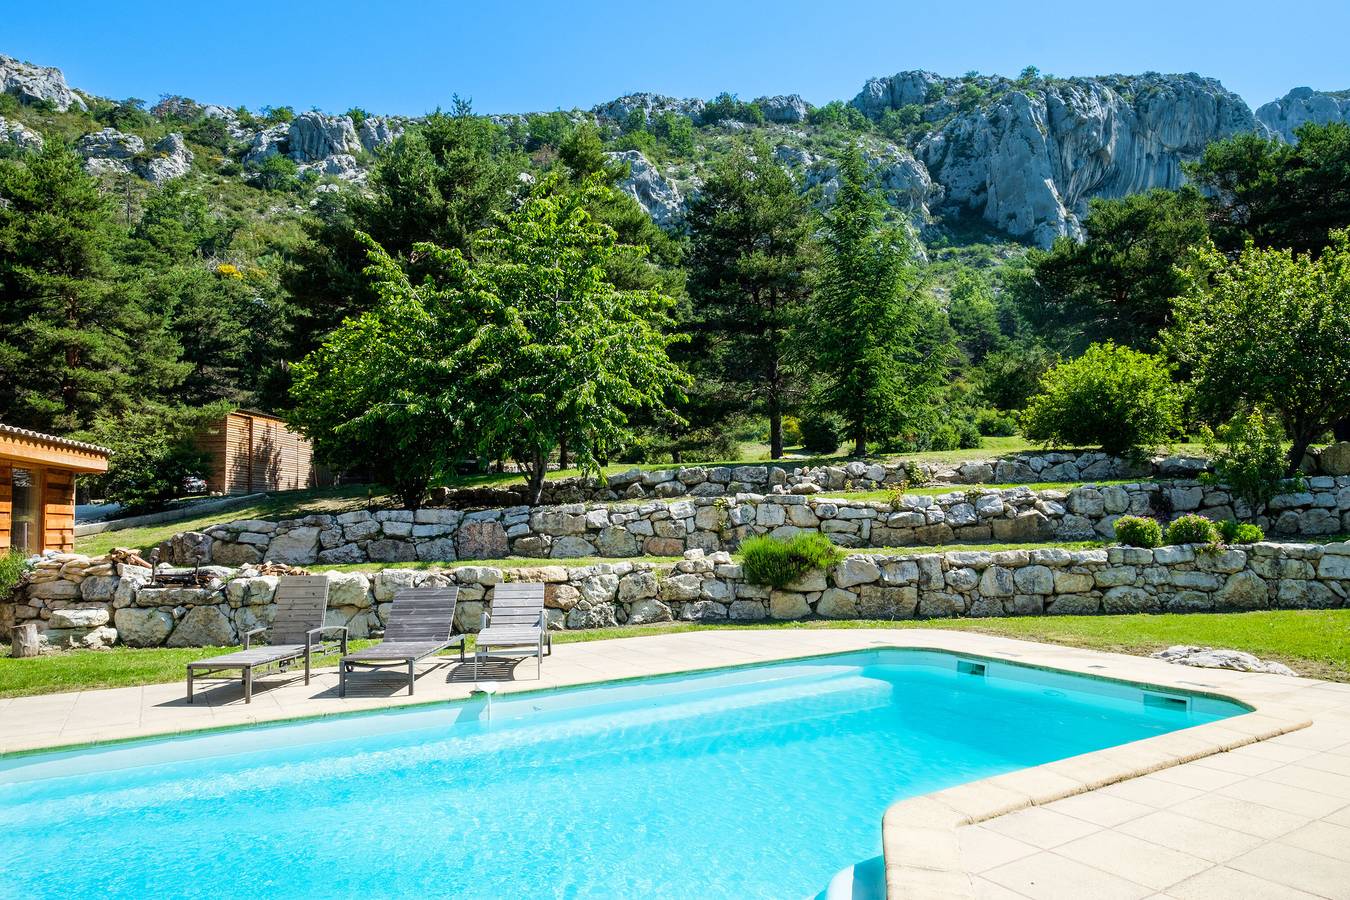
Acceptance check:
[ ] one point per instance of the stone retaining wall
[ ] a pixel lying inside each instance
(668, 528)
(102, 609)
(786, 477)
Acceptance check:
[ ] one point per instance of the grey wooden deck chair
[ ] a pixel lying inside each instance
(515, 626)
(420, 625)
(296, 631)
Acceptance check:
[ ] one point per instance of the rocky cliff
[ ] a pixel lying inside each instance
(1027, 157)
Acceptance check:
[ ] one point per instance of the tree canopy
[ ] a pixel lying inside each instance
(1269, 329)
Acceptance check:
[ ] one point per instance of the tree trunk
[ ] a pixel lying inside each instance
(1297, 451)
(562, 454)
(411, 494)
(775, 429)
(860, 441)
(538, 472)
(25, 641)
(1341, 430)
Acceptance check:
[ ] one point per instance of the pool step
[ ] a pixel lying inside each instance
(865, 880)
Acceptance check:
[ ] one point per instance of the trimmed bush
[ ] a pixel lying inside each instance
(1139, 531)
(1192, 529)
(778, 562)
(820, 435)
(1234, 532)
(1111, 397)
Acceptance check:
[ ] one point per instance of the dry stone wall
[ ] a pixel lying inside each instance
(789, 478)
(670, 527)
(711, 587)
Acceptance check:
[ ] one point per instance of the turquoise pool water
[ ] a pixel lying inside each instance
(756, 782)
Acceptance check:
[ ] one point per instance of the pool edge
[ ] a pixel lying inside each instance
(920, 835)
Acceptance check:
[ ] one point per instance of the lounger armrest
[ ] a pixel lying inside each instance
(487, 619)
(248, 635)
(318, 632)
(543, 620)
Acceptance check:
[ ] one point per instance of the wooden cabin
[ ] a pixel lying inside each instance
(37, 488)
(252, 451)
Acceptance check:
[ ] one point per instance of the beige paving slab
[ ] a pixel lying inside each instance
(1049, 876)
(1222, 883)
(1297, 868)
(1210, 842)
(1134, 859)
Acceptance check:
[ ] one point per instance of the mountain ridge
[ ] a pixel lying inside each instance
(1023, 155)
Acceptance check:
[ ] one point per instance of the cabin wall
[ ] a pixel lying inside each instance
(251, 453)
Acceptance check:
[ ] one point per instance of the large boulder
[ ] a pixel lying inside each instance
(142, 627)
(786, 109)
(378, 132)
(203, 626)
(297, 547)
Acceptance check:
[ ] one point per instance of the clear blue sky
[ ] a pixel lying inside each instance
(409, 56)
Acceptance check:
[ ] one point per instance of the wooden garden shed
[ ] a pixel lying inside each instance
(37, 488)
(252, 451)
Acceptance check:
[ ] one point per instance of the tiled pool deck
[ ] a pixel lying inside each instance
(1252, 807)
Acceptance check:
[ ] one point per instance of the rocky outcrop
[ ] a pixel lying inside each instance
(785, 109)
(111, 152)
(19, 135)
(652, 190)
(37, 84)
(314, 137)
(1029, 160)
(1299, 107)
(319, 143)
(903, 179)
(619, 109)
(168, 159)
(377, 132)
(230, 118)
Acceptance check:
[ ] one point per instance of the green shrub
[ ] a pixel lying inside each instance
(1139, 531)
(1248, 454)
(820, 434)
(992, 423)
(1111, 397)
(778, 562)
(1192, 529)
(1234, 532)
(12, 566)
(153, 455)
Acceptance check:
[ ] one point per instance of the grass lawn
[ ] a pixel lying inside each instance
(1314, 642)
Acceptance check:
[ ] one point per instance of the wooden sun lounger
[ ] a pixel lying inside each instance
(295, 632)
(516, 625)
(420, 625)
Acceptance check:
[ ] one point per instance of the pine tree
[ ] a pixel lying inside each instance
(76, 338)
(749, 264)
(879, 349)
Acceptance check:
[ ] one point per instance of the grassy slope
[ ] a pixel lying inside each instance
(1313, 642)
(328, 500)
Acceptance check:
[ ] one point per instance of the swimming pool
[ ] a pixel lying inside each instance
(754, 782)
